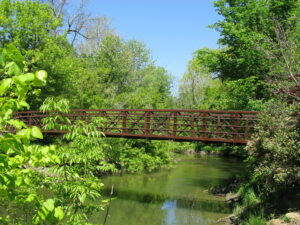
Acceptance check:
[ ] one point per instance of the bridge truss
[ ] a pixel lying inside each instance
(179, 125)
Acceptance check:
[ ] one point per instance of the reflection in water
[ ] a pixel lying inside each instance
(173, 197)
(170, 207)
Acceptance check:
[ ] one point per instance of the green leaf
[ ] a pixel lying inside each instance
(41, 75)
(2, 59)
(3, 161)
(82, 198)
(24, 133)
(49, 204)
(59, 213)
(30, 198)
(19, 181)
(37, 92)
(12, 68)
(44, 149)
(5, 85)
(36, 132)
(11, 143)
(24, 104)
(17, 124)
(25, 78)
(14, 54)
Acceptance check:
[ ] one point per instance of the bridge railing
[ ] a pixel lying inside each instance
(185, 125)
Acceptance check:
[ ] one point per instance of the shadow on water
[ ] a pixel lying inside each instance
(181, 202)
(206, 182)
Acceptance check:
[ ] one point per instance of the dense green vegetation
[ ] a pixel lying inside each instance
(54, 179)
(19, 157)
(254, 70)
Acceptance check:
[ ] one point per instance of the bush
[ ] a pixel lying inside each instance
(274, 150)
(273, 164)
(135, 155)
(256, 220)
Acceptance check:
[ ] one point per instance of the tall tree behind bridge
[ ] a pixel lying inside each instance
(259, 43)
(246, 24)
(87, 63)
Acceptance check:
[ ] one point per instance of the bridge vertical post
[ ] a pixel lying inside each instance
(218, 126)
(147, 122)
(175, 124)
(246, 130)
(167, 132)
(193, 126)
(104, 115)
(30, 120)
(204, 124)
(124, 122)
(82, 116)
(235, 126)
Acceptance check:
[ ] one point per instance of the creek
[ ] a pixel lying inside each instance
(177, 196)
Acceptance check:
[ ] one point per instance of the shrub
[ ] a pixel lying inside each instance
(274, 150)
(273, 163)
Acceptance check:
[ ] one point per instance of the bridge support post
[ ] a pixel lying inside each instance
(246, 130)
(147, 122)
(204, 124)
(235, 125)
(193, 126)
(30, 121)
(175, 124)
(219, 124)
(124, 121)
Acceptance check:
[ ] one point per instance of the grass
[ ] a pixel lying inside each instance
(256, 220)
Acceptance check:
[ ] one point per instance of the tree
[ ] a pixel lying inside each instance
(283, 53)
(246, 23)
(193, 85)
(27, 24)
(123, 73)
(153, 87)
(97, 31)
(259, 42)
(76, 19)
(30, 25)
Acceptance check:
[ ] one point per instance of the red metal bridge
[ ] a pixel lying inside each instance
(179, 125)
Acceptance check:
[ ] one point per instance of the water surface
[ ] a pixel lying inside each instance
(171, 197)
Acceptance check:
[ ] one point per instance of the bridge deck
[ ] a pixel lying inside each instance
(180, 125)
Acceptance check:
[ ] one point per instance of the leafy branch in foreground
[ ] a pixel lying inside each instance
(48, 184)
(81, 151)
(19, 159)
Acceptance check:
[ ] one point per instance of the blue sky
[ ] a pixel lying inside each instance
(172, 29)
